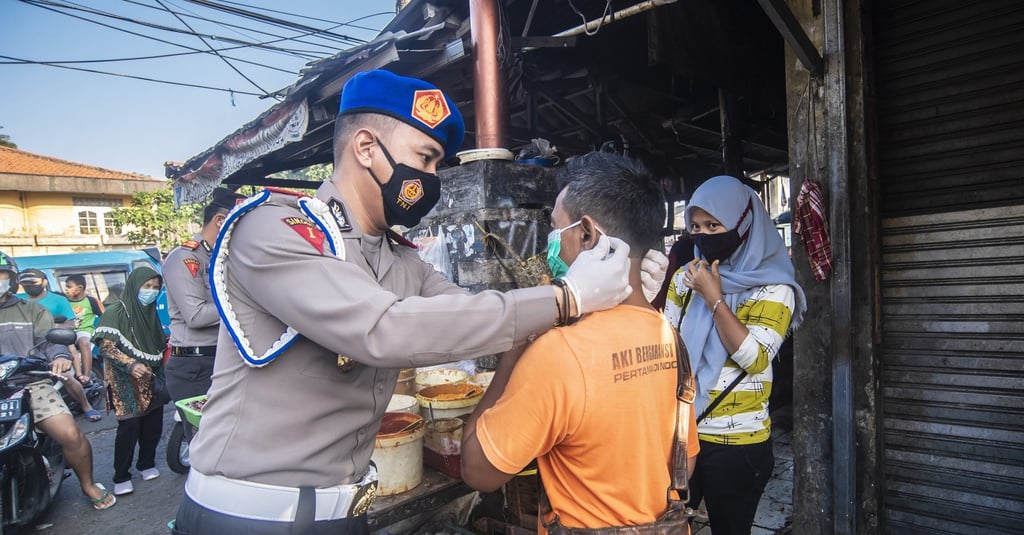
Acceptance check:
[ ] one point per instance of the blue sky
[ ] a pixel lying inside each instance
(134, 125)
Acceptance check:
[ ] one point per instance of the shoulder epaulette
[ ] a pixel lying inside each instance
(286, 191)
(190, 244)
(400, 240)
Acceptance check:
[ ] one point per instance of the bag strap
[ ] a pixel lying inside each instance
(718, 400)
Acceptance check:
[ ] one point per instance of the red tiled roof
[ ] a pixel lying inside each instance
(14, 161)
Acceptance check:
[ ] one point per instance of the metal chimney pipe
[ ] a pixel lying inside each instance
(489, 93)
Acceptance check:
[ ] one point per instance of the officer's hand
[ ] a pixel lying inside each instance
(600, 280)
(652, 273)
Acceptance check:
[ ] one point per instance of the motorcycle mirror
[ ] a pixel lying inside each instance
(60, 336)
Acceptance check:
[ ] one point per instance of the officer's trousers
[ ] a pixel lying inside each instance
(194, 519)
(188, 376)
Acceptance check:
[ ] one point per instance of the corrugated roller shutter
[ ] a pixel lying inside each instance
(950, 100)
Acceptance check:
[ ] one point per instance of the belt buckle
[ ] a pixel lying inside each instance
(363, 499)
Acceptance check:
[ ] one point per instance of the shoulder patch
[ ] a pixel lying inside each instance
(340, 217)
(193, 266)
(307, 230)
(190, 244)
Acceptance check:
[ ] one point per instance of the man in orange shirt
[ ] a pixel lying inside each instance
(594, 402)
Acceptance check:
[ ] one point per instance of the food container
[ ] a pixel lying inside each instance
(192, 407)
(449, 400)
(483, 379)
(398, 453)
(406, 382)
(442, 446)
(403, 403)
(440, 376)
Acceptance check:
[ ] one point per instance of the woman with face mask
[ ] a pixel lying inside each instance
(734, 304)
(132, 343)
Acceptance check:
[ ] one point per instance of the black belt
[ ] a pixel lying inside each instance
(194, 351)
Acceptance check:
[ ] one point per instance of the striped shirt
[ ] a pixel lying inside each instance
(742, 417)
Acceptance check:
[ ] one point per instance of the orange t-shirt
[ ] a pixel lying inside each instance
(595, 404)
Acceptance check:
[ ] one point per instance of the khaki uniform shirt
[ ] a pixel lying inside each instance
(301, 420)
(194, 318)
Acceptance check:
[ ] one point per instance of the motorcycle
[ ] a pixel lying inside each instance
(31, 463)
(178, 443)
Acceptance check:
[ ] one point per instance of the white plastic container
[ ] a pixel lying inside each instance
(441, 376)
(449, 400)
(398, 453)
(403, 403)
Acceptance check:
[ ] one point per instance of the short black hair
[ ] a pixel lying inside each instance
(211, 211)
(620, 194)
(76, 279)
(346, 125)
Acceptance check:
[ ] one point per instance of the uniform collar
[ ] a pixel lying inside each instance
(377, 252)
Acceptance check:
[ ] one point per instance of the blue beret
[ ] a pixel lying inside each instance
(410, 100)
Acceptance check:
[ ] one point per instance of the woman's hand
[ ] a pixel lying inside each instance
(140, 371)
(703, 278)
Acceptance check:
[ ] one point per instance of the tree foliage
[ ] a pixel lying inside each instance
(152, 219)
(5, 141)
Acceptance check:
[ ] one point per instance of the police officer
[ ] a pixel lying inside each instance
(194, 318)
(321, 305)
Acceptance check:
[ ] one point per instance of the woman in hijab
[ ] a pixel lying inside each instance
(734, 304)
(132, 343)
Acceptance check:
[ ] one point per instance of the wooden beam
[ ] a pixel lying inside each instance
(785, 22)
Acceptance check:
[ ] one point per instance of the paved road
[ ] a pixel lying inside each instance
(144, 512)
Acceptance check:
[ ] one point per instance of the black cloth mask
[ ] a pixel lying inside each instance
(409, 195)
(717, 246)
(33, 290)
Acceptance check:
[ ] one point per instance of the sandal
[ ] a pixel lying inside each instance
(99, 503)
(93, 415)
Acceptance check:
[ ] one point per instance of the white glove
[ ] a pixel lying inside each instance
(599, 280)
(652, 273)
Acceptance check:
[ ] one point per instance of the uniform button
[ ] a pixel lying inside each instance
(531, 338)
(380, 386)
(361, 432)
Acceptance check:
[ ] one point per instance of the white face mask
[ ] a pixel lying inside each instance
(5, 286)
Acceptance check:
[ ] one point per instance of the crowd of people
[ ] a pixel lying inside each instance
(685, 388)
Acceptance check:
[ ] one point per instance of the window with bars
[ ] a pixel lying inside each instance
(88, 223)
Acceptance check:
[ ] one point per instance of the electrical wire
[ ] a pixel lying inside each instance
(45, 4)
(349, 23)
(233, 27)
(275, 21)
(229, 64)
(183, 84)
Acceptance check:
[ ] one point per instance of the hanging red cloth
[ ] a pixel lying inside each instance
(811, 225)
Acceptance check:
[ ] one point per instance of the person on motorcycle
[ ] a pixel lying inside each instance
(23, 325)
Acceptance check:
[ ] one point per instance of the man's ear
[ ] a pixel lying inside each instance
(361, 146)
(589, 234)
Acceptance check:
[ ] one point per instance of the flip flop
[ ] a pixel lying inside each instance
(93, 415)
(97, 503)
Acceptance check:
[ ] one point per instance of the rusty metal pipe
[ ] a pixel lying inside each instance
(489, 93)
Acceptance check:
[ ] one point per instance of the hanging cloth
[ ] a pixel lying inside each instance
(811, 225)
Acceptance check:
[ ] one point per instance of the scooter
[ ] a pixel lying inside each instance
(31, 463)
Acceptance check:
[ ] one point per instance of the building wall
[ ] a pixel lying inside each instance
(37, 222)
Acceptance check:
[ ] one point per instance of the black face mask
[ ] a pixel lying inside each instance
(717, 246)
(409, 195)
(33, 290)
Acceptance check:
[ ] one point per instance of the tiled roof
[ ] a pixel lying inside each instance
(14, 161)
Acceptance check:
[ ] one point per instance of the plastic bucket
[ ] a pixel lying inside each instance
(406, 382)
(398, 453)
(442, 446)
(449, 400)
(483, 379)
(403, 403)
(428, 378)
